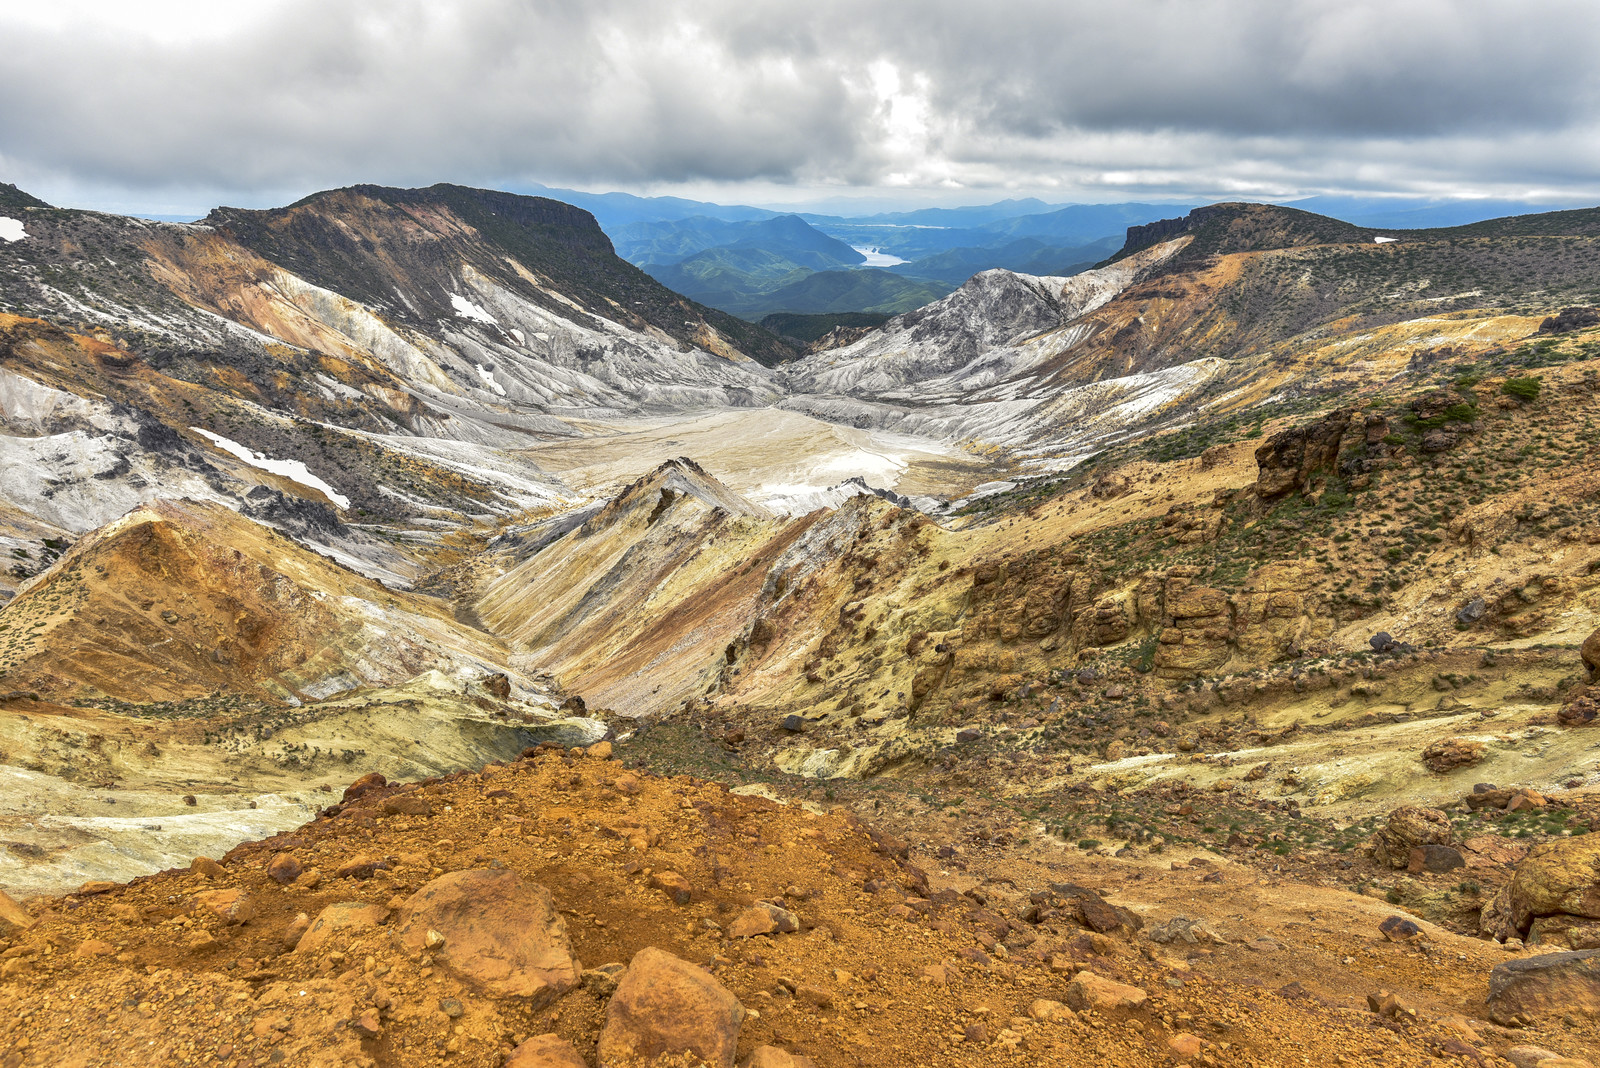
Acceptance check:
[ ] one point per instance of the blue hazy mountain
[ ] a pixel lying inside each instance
(652, 242)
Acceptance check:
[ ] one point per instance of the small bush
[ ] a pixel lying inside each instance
(1089, 843)
(1523, 389)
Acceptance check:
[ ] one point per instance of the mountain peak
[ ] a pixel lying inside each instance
(12, 197)
(1241, 227)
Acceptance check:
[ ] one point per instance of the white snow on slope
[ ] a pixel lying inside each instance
(488, 379)
(468, 310)
(11, 229)
(293, 470)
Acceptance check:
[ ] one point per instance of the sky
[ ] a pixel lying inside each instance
(172, 106)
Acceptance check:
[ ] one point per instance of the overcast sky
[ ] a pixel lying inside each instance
(174, 105)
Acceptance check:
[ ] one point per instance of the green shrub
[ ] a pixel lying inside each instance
(1524, 389)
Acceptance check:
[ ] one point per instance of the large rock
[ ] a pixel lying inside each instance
(1557, 878)
(664, 1005)
(1408, 828)
(1448, 754)
(1550, 985)
(1591, 654)
(501, 933)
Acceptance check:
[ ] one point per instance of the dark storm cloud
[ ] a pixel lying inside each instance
(1174, 95)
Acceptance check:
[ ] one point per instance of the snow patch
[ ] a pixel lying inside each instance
(468, 310)
(488, 379)
(294, 470)
(1384, 240)
(11, 229)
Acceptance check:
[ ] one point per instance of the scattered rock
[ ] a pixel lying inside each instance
(664, 1005)
(1182, 929)
(1532, 1056)
(1090, 991)
(1579, 712)
(773, 1057)
(207, 867)
(283, 868)
(673, 885)
(601, 981)
(1046, 1011)
(1551, 985)
(407, 805)
(230, 906)
(1400, 929)
(498, 685)
(360, 867)
(502, 933)
(1390, 1005)
(1185, 1047)
(340, 916)
(599, 751)
(764, 918)
(793, 723)
(1409, 827)
(372, 780)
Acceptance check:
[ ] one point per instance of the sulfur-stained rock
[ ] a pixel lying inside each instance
(1549, 985)
(1557, 878)
(1408, 828)
(545, 1051)
(665, 1005)
(501, 933)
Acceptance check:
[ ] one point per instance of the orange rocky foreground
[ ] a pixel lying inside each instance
(562, 910)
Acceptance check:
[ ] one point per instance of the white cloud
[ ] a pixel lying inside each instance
(1080, 97)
